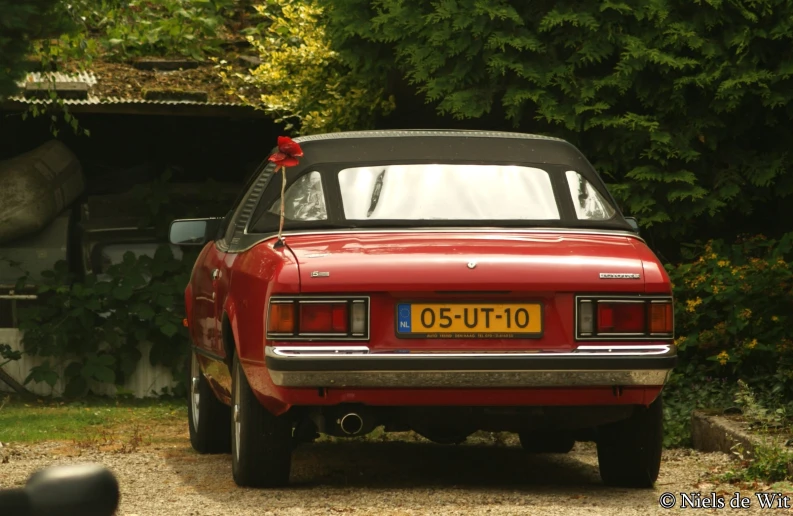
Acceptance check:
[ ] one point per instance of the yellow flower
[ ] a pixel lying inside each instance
(745, 313)
(692, 304)
(713, 256)
(752, 344)
(774, 318)
(723, 357)
(680, 340)
(697, 281)
(723, 263)
(716, 289)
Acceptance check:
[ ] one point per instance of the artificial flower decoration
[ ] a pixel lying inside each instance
(288, 152)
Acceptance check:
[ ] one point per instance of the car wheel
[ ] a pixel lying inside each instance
(629, 451)
(546, 442)
(261, 443)
(207, 416)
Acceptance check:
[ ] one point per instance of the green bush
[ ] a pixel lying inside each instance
(302, 81)
(691, 388)
(95, 325)
(733, 311)
(184, 28)
(684, 106)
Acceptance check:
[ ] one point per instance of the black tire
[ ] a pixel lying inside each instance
(209, 429)
(546, 442)
(629, 451)
(261, 443)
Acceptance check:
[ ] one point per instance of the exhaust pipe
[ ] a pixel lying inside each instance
(351, 424)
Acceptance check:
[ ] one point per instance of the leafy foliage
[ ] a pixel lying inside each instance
(301, 78)
(96, 325)
(732, 311)
(769, 460)
(20, 24)
(691, 388)
(683, 106)
(119, 30)
(7, 354)
(187, 28)
(753, 411)
(731, 316)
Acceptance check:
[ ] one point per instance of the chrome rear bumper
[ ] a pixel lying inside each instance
(356, 366)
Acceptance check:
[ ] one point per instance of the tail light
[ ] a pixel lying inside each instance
(624, 318)
(317, 318)
(321, 317)
(281, 318)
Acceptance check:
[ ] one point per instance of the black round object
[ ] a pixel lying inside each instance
(79, 489)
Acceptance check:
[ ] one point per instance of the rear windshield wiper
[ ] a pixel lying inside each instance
(378, 186)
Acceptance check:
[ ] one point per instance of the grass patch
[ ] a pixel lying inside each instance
(54, 420)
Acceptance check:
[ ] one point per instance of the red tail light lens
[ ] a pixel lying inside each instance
(624, 318)
(317, 318)
(621, 317)
(324, 318)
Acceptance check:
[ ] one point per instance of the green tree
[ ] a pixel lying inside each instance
(684, 107)
(301, 80)
(21, 23)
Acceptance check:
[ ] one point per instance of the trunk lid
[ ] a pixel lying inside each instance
(430, 261)
(476, 269)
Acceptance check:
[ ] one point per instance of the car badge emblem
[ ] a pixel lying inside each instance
(619, 275)
(318, 274)
(471, 265)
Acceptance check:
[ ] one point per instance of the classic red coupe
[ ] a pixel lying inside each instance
(439, 281)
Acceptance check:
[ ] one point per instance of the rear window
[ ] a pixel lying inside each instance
(588, 203)
(447, 192)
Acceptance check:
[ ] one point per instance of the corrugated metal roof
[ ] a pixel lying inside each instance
(92, 101)
(87, 77)
(91, 79)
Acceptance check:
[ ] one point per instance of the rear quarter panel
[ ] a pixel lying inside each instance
(656, 280)
(255, 275)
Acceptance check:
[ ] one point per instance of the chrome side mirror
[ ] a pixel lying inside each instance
(193, 232)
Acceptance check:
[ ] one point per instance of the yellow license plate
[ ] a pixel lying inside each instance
(469, 320)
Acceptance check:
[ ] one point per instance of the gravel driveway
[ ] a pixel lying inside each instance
(383, 478)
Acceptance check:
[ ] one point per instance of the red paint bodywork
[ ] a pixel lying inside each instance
(392, 266)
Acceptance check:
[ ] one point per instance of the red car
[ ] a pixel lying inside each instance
(439, 281)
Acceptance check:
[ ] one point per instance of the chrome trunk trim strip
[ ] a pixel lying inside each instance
(363, 352)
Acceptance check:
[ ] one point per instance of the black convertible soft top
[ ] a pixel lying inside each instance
(444, 146)
(399, 146)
